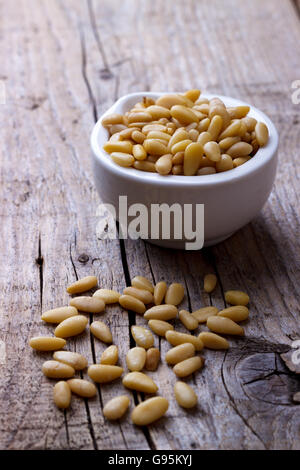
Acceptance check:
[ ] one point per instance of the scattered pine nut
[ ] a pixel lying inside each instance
(237, 297)
(47, 343)
(57, 315)
(82, 387)
(110, 356)
(73, 359)
(210, 282)
(185, 395)
(141, 294)
(188, 366)
(213, 341)
(224, 326)
(116, 407)
(174, 294)
(136, 358)
(161, 312)
(237, 313)
(82, 285)
(88, 304)
(108, 296)
(62, 395)
(180, 353)
(57, 370)
(188, 320)
(149, 411)
(142, 283)
(202, 314)
(102, 373)
(160, 327)
(175, 338)
(139, 382)
(101, 331)
(132, 303)
(142, 336)
(71, 326)
(152, 359)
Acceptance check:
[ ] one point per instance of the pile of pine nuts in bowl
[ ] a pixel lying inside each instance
(183, 134)
(159, 306)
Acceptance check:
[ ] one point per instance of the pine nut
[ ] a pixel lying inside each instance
(228, 142)
(215, 126)
(180, 146)
(240, 161)
(160, 290)
(180, 353)
(188, 320)
(250, 123)
(160, 327)
(123, 147)
(142, 336)
(112, 119)
(47, 343)
(203, 107)
(178, 136)
(224, 326)
(62, 395)
(212, 151)
(213, 341)
(110, 356)
(185, 395)
(153, 159)
(139, 382)
(192, 95)
(153, 127)
(128, 133)
(57, 315)
(174, 295)
(158, 135)
(71, 326)
(204, 137)
(88, 304)
(142, 283)
(152, 359)
(149, 411)
(101, 331)
(122, 159)
(141, 116)
(138, 137)
(192, 157)
(158, 112)
(201, 100)
(107, 295)
(240, 149)
(262, 133)
(203, 125)
(175, 338)
(237, 297)
(206, 170)
(82, 387)
(193, 135)
(145, 166)
(139, 152)
(225, 163)
(141, 294)
(183, 114)
(102, 373)
(168, 101)
(132, 303)
(177, 170)
(202, 314)
(161, 312)
(231, 131)
(136, 358)
(243, 129)
(217, 108)
(154, 147)
(57, 370)
(238, 112)
(236, 313)
(73, 359)
(210, 282)
(82, 285)
(114, 128)
(164, 164)
(188, 366)
(116, 407)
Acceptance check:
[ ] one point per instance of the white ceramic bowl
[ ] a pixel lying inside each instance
(231, 199)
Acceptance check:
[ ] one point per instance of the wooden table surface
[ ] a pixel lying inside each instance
(63, 63)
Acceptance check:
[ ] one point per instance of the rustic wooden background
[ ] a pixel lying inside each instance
(64, 62)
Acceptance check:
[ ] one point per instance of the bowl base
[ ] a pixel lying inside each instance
(180, 245)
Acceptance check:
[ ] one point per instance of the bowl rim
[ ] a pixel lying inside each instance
(262, 157)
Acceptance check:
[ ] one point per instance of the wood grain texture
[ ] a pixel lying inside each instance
(64, 62)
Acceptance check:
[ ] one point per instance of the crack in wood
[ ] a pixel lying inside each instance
(40, 262)
(85, 76)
